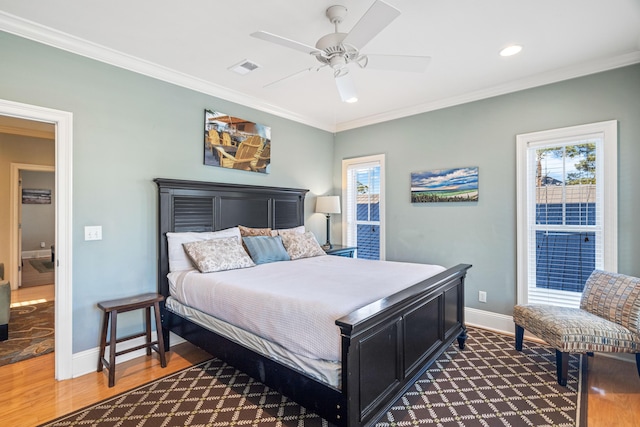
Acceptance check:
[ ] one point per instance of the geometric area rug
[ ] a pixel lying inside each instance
(43, 266)
(486, 384)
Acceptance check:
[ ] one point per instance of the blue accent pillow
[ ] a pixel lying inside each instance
(265, 249)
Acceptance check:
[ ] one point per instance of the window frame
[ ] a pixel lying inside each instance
(609, 181)
(378, 159)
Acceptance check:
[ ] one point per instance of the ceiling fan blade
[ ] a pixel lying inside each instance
(379, 15)
(415, 64)
(346, 88)
(292, 44)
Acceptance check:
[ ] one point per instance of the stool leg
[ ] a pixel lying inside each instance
(159, 332)
(147, 325)
(112, 349)
(103, 339)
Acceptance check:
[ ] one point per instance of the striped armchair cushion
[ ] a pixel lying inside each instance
(574, 330)
(615, 297)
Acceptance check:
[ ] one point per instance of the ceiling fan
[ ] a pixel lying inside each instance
(338, 50)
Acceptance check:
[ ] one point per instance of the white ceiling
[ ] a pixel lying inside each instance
(193, 44)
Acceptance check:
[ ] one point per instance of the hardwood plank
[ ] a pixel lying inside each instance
(46, 292)
(32, 277)
(30, 395)
(614, 393)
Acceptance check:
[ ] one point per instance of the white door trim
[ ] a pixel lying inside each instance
(64, 190)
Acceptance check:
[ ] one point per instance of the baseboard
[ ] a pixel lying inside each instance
(40, 253)
(488, 320)
(86, 361)
(495, 322)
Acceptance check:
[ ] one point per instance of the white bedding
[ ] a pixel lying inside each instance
(296, 303)
(323, 370)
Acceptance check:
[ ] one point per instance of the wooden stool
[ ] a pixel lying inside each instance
(111, 309)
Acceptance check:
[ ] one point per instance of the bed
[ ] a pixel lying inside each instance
(383, 346)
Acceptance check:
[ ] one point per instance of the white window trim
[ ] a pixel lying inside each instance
(379, 159)
(609, 131)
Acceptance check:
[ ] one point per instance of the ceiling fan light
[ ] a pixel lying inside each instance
(511, 50)
(346, 88)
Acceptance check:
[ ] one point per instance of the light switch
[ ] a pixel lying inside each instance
(93, 232)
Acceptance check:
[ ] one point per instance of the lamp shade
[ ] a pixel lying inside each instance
(328, 204)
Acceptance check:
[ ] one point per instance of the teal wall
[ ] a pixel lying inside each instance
(483, 134)
(127, 130)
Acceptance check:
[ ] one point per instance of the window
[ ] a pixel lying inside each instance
(567, 210)
(363, 217)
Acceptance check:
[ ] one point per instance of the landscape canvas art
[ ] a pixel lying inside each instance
(235, 143)
(445, 185)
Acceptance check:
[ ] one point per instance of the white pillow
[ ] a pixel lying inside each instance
(178, 258)
(218, 254)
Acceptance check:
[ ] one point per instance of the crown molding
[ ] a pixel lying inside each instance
(64, 41)
(39, 33)
(542, 79)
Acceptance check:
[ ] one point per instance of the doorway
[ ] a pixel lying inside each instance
(36, 229)
(63, 123)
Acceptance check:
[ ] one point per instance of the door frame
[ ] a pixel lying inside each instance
(15, 218)
(63, 122)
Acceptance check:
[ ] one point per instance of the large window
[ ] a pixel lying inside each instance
(567, 210)
(363, 190)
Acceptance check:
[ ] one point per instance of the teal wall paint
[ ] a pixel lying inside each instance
(483, 134)
(129, 129)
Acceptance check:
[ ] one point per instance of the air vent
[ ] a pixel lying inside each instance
(243, 67)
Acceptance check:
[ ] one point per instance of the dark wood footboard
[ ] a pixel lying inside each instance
(388, 344)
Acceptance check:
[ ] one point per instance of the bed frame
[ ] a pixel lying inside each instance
(386, 345)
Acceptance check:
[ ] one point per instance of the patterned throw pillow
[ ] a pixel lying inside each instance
(178, 258)
(264, 249)
(301, 245)
(218, 255)
(300, 229)
(248, 231)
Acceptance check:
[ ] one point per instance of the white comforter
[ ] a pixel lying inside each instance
(296, 303)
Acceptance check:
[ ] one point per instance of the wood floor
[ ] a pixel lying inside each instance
(32, 277)
(29, 395)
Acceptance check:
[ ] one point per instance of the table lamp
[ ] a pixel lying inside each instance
(328, 205)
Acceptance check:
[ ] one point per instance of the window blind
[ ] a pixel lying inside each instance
(362, 208)
(564, 218)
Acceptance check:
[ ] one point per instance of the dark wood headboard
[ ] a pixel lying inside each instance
(211, 206)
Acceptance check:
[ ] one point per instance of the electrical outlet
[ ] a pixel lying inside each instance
(482, 296)
(93, 232)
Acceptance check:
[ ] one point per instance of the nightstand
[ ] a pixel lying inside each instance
(339, 250)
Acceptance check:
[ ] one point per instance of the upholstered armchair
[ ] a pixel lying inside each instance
(5, 304)
(608, 320)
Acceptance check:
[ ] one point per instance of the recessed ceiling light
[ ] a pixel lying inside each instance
(511, 50)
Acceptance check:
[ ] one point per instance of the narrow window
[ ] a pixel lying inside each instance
(363, 217)
(567, 210)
